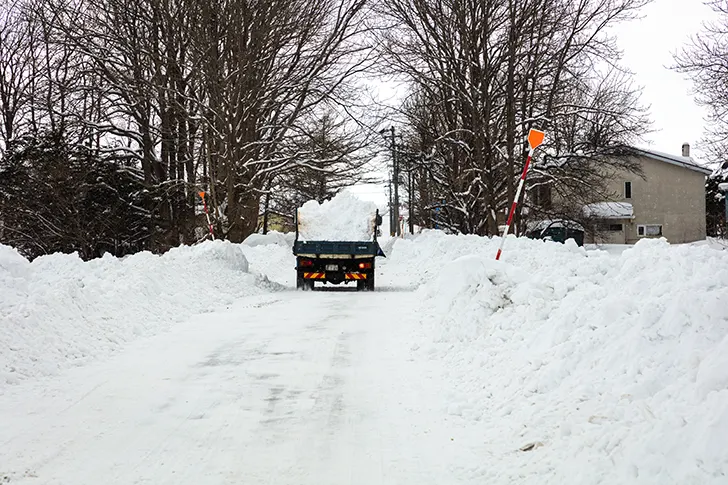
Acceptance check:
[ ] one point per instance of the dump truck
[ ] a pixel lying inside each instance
(337, 262)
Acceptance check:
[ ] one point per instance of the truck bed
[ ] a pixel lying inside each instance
(338, 248)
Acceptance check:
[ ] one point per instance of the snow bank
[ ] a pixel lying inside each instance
(343, 218)
(272, 238)
(605, 369)
(271, 255)
(59, 311)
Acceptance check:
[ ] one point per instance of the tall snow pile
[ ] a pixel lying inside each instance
(270, 254)
(343, 218)
(578, 366)
(60, 311)
(273, 238)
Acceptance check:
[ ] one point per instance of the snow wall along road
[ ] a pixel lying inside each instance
(610, 369)
(60, 311)
(604, 369)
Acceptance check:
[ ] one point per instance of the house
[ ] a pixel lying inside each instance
(668, 202)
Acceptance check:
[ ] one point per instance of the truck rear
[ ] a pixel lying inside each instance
(337, 262)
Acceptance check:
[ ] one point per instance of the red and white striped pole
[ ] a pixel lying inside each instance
(535, 138)
(207, 214)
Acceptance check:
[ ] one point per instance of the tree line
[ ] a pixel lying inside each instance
(482, 74)
(114, 114)
(705, 61)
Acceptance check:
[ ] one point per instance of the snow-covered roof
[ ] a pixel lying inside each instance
(542, 225)
(680, 161)
(609, 210)
(723, 187)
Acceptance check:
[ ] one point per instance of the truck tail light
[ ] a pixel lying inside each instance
(365, 265)
(305, 263)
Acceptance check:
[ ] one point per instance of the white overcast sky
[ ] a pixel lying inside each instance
(648, 45)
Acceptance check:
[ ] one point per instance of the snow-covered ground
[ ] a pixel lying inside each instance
(60, 311)
(556, 365)
(613, 369)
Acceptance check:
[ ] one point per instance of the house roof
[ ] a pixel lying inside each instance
(684, 162)
(544, 224)
(609, 210)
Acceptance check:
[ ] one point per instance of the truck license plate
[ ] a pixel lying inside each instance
(332, 267)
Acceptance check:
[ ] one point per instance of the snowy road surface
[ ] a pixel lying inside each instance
(288, 388)
(554, 366)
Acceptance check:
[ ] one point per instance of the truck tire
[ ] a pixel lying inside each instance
(303, 284)
(370, 282)
(367, 284)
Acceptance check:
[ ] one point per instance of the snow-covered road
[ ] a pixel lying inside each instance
(286, 388)
(554, 366)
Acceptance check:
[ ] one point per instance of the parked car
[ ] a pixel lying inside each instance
(556, 230)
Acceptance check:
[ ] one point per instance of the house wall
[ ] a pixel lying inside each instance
(669, 195)
(612, 237)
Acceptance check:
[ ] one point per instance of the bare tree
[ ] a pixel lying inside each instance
(279, 60)
(16, 58)
(328, 156)
(705, 59)
(484, 72)
(190, 94)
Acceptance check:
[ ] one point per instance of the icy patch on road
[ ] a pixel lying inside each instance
(59, 311)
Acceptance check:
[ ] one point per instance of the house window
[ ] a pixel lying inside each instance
(649, 230)
(542, 196)
(609, 227)
(628, 190)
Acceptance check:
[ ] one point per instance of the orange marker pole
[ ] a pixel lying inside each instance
(535, 138)
(207, 214)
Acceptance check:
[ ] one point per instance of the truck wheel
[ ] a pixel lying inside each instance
(303, 284)
(366, 285)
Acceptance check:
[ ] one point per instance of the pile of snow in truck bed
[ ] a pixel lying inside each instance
(60, 311)
(343, 218)
(604, 369)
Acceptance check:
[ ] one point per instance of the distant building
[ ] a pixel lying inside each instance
(669, 202)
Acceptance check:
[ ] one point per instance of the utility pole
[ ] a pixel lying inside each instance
(411, 199)
(391, 209)
(395, 169)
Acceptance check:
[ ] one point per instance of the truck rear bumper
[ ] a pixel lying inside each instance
(334, 277)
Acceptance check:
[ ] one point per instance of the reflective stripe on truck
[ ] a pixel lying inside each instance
(322, 276)
(314, 276)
